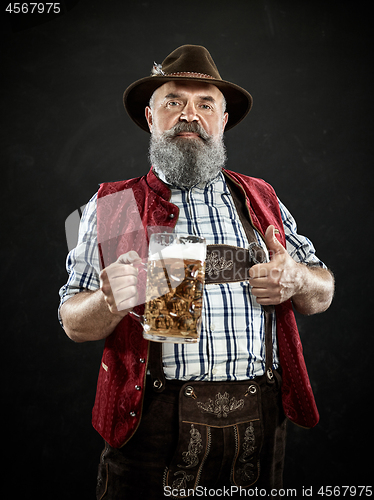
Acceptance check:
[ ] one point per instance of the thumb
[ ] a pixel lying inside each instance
(274, 246)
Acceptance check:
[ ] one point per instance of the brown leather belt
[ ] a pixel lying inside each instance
(227, 264)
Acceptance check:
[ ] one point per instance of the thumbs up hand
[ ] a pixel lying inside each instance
(278, 280)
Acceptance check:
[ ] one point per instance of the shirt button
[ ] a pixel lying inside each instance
(171, 216)
(132, 413)
(142, 360)
(212, 328)
(137, 387)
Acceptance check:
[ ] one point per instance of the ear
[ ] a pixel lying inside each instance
(225, 118)
(149, 118)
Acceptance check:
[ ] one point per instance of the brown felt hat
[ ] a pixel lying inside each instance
(186, 63)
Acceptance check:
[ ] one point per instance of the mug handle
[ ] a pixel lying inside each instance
(140, 319)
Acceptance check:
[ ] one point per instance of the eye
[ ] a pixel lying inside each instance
(205, 106)
(172, 104)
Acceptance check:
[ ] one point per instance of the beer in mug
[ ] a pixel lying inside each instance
(174, 292)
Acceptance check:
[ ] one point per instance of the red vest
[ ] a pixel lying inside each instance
(120, 388)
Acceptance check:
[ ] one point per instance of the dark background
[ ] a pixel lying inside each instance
(308, 66)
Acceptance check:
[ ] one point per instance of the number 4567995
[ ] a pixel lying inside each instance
(34, 8)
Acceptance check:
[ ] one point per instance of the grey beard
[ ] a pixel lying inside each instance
(187, 162)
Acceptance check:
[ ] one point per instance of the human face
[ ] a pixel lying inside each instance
(187, 102)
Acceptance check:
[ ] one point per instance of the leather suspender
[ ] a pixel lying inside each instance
(238, 197)
(155, 366)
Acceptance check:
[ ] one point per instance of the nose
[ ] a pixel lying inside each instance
(189, 113)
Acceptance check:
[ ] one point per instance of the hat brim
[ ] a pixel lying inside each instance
(136, 97)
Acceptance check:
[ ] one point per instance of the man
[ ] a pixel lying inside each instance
(178, 418)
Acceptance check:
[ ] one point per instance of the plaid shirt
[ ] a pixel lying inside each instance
(231, 344)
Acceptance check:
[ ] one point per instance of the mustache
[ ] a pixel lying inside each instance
(192, 127)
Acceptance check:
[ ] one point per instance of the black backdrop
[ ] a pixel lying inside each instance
(308, 67)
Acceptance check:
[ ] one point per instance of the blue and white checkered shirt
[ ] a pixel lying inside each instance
(231, 345)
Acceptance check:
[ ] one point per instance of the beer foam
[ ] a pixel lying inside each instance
(183, 251)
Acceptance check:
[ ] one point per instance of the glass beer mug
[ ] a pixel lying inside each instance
(174, 290)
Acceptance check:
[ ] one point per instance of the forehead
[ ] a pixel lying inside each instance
(189, 89)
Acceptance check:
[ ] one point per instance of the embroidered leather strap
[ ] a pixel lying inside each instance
(226, 263)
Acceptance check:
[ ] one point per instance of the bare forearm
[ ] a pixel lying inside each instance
(86, 316)
(93, 315)
(317, 290)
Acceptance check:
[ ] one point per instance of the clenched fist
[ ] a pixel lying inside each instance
(118, 282)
